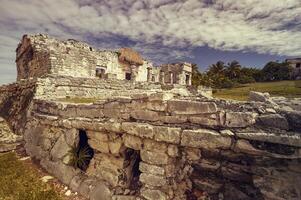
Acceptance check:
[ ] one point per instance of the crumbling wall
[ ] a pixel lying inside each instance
(32, 59)
(189, 148)
(15, 101)
(39, 55)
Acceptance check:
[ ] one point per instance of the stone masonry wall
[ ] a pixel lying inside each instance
(52, 87)
(185, 147)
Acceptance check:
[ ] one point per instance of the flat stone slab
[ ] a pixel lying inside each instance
(293, 139)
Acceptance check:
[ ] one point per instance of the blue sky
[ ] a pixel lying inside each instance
(200, 31)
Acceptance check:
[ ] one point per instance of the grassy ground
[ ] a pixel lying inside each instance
(21, 182)
(279, 88)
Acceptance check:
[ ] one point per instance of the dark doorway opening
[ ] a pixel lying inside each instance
(133, 160)
(83, 153)
(128, 76)
(187, 79)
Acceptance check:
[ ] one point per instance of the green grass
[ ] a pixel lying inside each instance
(279, 88)
(21, 182)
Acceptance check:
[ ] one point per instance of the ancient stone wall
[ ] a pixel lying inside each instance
(53, 87)
(15, 100)
(159, 146)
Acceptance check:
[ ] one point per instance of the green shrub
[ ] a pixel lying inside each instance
(80, 157)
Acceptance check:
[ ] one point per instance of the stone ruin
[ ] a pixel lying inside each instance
(147, 141)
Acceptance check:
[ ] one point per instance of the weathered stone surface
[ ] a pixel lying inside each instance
(205, 121)
(191, 107)
(155, 146)
(193, 154)
(239, 119)
(138, 129)
(115, 146)
(294, 119)
(100, 191)
(60, 149)
(273, 121)
(99, 141)
(167, 134)
(208, 165)
(156, 105)
(152, 180)
(153, 194)
(59, 170)
(71, 137)
(173, 119)
(132, 142)
(151, 169)
(146, 115)
(209, 185)
(155, 158)
(287, 139)
(203, 138)
(258, 96)
(227, 133)
(172, 150)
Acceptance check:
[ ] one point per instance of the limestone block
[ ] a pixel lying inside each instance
(164, 96)
(191, 107)
(100, 191)
(173, 119)
(152, 180)
(138, 129)
(99, 145)
(205, 121)
(115, 146)
(99, 136)
(71, 137)
(151, 169)
(258, 96)
(147, 115)
(193, 154)
(239, 119)
(244, 146)
(155, 158)
(152, 145)
(132, 142)
(292, 139)
(113, 126)
(227, 132)
(203, 138)
(63, 172)
(156, 105)
(273, 121)
(167, 134)
(60, 149)
(153, 194)
(172, 150)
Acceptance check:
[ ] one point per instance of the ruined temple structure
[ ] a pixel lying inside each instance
(295, 63)
(144, 140)
(38, 55)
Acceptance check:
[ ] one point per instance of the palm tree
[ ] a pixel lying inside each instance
(233, 69)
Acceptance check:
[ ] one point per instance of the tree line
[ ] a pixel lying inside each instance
(221, 75)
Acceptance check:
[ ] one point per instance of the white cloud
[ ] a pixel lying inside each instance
(160, 29)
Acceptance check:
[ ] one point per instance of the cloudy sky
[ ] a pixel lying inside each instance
(199, 31)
